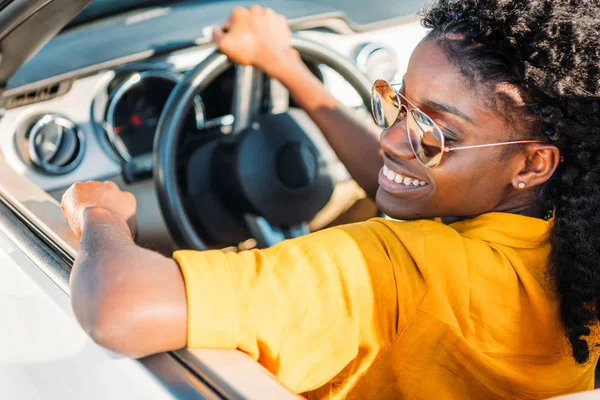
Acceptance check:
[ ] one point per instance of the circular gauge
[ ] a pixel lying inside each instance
(135, 108)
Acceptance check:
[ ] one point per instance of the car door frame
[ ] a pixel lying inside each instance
(33, 222)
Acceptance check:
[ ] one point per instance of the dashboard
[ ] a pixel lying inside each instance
(87, 106)
(87, 124)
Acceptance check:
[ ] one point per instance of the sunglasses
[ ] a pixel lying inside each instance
(426, 138)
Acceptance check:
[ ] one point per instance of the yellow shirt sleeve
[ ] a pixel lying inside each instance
(312, 309)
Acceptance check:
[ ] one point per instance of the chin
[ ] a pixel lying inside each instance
(396, 208)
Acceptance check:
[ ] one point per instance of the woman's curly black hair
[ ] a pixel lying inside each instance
(550, 51)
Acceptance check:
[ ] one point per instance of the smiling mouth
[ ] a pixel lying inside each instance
(400, 179)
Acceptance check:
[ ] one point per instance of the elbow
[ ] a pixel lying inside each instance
(106, 325)
(109, 335)
(103, 335)
(122, 310)
(106, 332)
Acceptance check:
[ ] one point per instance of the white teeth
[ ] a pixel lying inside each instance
(393, 176)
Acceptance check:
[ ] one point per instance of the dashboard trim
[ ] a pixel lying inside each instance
(79, 73)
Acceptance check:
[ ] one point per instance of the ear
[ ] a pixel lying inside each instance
(541, 161)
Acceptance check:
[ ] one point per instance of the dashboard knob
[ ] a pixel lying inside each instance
(55, 144)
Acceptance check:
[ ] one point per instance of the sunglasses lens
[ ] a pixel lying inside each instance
(384, 103)
(425, 138)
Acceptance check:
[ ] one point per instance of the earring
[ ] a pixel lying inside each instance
(521, 185)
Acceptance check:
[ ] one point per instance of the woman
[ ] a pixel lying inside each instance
(495, 130)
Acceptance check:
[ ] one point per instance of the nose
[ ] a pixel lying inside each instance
(394, 140)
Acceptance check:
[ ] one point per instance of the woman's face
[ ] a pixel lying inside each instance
(467, 182)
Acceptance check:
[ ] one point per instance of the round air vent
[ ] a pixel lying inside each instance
(55, 144)
(377, 61)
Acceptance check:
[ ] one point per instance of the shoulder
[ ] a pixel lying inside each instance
(421, 243)
(409, 234)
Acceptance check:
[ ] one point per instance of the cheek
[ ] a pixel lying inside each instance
(470, 181)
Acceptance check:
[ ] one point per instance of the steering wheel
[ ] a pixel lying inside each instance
(263, 179)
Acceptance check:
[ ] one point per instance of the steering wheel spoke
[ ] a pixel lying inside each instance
(247, 96)
(266, 235)
(219, 122)
(297, 231)
(279, 99)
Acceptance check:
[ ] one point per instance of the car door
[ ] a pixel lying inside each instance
(44, 354)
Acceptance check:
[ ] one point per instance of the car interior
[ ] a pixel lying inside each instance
(88, 106)
(217, 155)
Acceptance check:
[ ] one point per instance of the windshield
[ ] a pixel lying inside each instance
(4, 3)
(359, 11)
(103, 8)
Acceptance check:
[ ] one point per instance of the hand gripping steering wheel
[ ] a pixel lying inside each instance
(264, 179)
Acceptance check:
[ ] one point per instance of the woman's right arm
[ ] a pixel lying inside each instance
(355, 143)
(305, 308)
(261, 38)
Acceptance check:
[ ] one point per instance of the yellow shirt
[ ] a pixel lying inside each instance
(388, 310)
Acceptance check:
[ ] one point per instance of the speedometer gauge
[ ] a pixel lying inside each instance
(135, 108)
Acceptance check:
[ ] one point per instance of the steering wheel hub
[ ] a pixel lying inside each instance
(297, 165)
(274, 170)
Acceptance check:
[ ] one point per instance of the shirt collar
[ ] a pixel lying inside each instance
(506, 229)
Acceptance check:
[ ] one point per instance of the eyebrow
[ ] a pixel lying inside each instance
(446, 109)
(442, 107)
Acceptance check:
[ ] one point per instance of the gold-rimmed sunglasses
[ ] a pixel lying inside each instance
(426, 138)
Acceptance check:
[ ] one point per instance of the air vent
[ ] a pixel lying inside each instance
(377, 61)
(38, 95)
(55, 144)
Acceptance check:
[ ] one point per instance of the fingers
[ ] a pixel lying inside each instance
(241, 14)
(89, 195)
(248, 31)
(111, 185)
(227, 25)
(256, 10)
(131, 197)
(222, 39)
(277, 20)
(269, 13)
(217, 35)
(238, 14)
